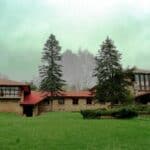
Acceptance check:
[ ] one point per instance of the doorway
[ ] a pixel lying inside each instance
(28, 110)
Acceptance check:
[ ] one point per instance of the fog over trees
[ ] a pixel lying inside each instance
(78, 69)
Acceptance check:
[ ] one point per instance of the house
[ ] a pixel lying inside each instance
(12, 93)
(36, 102)
(17, 97)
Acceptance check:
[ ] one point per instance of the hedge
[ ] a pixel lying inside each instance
(90, 114)
(115, 113)
(124, 113)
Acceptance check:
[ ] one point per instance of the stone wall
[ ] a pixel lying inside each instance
(44, 106)
(69, 106)
(35, 110)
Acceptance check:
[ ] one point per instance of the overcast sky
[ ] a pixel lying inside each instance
(26, 24)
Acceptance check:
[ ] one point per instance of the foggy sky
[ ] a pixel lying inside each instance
(26, 24)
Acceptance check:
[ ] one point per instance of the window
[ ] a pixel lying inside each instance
(61, 101)
(137, 79)
(10, 92)
(1, 93)
(142, 81)
(46, 101)
(146, 82)
(88, 101)
(75, 101)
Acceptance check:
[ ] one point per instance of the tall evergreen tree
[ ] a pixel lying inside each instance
(111, 79)
(50, 71)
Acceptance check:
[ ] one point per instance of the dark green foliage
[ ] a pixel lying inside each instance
(90, 114)
(106, 112)
(50, 71)
(32, 86)
(112, 80)
(141, 109)
(124, 113)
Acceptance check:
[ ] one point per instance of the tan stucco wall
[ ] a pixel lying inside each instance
(10, 106)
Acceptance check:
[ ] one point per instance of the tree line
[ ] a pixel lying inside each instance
(83, 69)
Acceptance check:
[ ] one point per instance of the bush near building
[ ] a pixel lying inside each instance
(124, 112)
(129, 111)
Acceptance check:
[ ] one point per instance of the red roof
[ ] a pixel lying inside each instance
(137, 70)
(35, 97)
(76, 94)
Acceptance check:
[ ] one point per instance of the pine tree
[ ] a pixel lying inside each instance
(111, 79)
(50, 71)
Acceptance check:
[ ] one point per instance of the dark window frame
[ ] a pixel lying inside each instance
(46, 101)
(61, 101)
(89, 101)
(75, 101)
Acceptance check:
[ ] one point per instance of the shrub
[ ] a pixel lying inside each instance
(124, 113)
(90, 114)
(106, 112)
(141, 109)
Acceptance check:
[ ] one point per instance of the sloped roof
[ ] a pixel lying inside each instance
(33, 98)
(6, 82)
(36, 96)
(75, 94)
(138, 70)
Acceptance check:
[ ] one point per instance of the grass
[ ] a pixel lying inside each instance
(68, 131)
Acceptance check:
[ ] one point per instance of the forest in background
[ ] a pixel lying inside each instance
(77, 70)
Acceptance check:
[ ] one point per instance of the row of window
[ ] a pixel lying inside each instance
(10, 91)
(75, 101)
(142, 81)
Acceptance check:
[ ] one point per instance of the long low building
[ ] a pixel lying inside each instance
(17, 97)
(37, 102)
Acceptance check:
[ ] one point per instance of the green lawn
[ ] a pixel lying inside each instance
(68, 131)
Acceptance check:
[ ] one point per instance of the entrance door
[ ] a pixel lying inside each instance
(28, 110)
